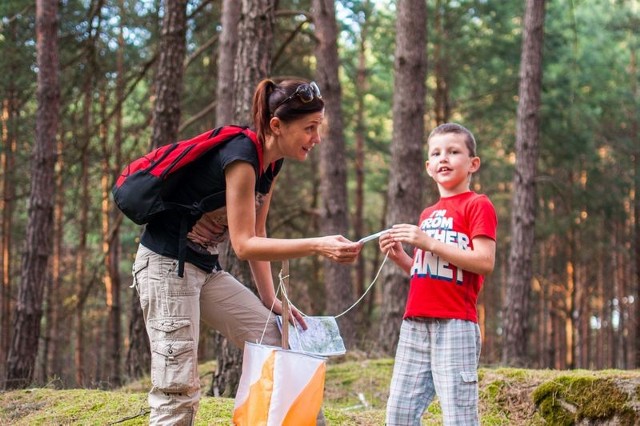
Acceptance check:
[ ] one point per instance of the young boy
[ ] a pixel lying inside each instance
(439, 345)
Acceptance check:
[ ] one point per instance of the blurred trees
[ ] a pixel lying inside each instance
(584, 287)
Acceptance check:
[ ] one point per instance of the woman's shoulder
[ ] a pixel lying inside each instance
(239, 148)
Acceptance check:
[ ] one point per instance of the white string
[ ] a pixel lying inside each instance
(281, 289)
(368, 288)
(359, 299)
(275, 297)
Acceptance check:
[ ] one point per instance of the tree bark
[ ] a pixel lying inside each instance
(231, 10)
(363, 319)
(83, 229)
(166, 121)
(111, 276)
(253, 62)
(253, 56)
(442, 106)
(635, 129)
(524, 188)
(168, 81)
(406, 173)
(10, 116)
(33, 276)
(333, 167)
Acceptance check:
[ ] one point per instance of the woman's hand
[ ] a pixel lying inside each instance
(339, 249)
(295, 317)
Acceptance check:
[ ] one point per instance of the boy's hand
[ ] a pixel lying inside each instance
(411, 234)
(389, 246)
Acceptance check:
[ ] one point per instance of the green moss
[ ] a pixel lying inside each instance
(517, 374)
(491, 391)
(507, 397)
(570, 399)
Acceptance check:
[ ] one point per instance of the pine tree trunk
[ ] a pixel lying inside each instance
(10, 115)
(231, 10)
(34, 271)
(111, 276)
(83, 229)
(53, 340)
(113, 219)
(168, 81)
(635, 134)
(406, 175)
(253, 56)
(362, 317)
(441, 107)
(333, 168)
(138, 360)
(253, 59)
(524, 188)
(166, 121)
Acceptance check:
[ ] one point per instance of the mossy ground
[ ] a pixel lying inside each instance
(356, 389)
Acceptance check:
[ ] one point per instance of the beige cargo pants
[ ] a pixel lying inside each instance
(172, 309)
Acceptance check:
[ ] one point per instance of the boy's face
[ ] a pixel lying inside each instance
(450, 163)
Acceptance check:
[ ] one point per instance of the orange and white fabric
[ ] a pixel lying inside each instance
(278, 387)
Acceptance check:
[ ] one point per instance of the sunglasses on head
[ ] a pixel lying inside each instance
(306, 92)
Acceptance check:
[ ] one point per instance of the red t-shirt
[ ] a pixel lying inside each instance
(439, 289)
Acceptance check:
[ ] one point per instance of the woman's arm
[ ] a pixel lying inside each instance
(247, 244)
(261, 270)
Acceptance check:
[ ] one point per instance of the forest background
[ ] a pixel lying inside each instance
(119, 73)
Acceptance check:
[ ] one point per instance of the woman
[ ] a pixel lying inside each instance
(287, 118)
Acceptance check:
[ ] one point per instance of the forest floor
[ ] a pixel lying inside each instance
(355, 393)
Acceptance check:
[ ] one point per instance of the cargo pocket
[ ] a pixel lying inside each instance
(173, 365)
(140, 272)
(467, 392)
(177, 328)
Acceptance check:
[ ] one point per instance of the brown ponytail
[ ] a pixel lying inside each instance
(260, 107)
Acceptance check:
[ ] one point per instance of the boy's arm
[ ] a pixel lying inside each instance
(480, 260)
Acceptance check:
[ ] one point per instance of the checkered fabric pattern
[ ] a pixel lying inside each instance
(435, 357)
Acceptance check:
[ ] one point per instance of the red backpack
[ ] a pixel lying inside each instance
(139, 190)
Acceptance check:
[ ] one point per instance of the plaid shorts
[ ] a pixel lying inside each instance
(435, 356)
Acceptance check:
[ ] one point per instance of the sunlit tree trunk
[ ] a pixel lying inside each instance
(83, 229)
(524, 188)
(110, 253)
(569, 309)
(10, 115)
(33, 277)
(635, 135)
(406, 171)
(583, 352)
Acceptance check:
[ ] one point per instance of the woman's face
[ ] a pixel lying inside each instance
(297, 138)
